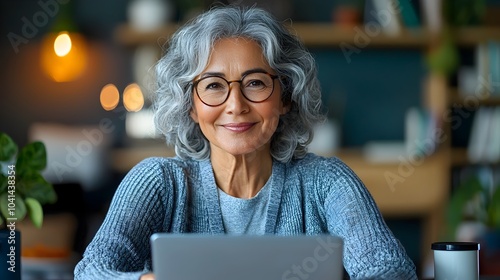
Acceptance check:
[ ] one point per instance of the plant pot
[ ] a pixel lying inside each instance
(10, 254)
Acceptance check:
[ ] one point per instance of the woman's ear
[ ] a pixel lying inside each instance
(194, 115)
(286, 108)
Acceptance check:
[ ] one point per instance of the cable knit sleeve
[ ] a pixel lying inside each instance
(371, 250)
(120, 248)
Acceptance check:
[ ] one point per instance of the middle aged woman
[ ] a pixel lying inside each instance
(238, 97)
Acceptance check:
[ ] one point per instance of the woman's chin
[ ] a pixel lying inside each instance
(245, 150)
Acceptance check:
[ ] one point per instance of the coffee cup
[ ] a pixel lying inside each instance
(456, 260)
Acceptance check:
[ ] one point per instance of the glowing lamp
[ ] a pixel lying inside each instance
(64, 55)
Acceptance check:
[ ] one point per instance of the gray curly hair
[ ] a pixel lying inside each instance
(187, 56)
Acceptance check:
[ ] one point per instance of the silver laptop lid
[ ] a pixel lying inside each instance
(246, 257)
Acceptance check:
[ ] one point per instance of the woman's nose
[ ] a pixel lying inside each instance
(236, 102)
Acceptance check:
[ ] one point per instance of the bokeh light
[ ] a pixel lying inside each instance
(64, 56)
(62, 44)
(133, 99)
(110, 97)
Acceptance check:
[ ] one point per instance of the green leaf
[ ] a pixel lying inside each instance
(7, 147)
(32, 157)
(35, 186)
(460, 198)
(444, 58)
(494, 209)
(35, 211)
(3, 183)
(12, 206)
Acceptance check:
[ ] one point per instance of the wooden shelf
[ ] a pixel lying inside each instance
(328, 35)
(312, 34)
(458, 99)
(459, 157)
(471, 36)
(461, 100)
(423, 187)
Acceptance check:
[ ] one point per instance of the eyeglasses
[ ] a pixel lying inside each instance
(214, 90)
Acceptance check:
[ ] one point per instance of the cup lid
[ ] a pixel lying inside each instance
(455, 246)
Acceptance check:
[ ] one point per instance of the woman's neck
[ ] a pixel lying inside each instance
(241, 176)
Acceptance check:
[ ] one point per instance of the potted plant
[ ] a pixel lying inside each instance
(444, 58)
(479, 202)
(23, 190)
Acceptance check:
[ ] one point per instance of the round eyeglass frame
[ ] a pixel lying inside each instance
(195, 87)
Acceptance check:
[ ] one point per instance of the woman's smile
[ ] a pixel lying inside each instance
(239, 127)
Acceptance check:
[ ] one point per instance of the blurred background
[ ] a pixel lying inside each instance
(411, 88)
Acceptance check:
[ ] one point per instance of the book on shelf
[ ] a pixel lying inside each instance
(467, 81)
(488, 68)
(421, 132)
(421, 140)
(432, 17)
(493, 154)
(477, 138)
(410, 13)
(384, 151)
(494, 67)
(383, 13)
(484, 139)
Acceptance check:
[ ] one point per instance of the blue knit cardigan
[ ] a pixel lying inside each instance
(313, 195)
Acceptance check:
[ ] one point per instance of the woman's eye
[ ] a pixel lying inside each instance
(255, 83)
(214, 86)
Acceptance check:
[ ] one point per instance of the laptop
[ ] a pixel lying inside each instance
(246, 257)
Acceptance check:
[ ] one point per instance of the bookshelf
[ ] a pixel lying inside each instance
(478, 96)
(328, 35)
(459, 155)
(425, 193)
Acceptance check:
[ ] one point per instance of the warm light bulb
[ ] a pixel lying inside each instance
(62, 44)
(64, 56)
(133, 99)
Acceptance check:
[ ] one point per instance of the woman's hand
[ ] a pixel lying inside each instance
(149, 276)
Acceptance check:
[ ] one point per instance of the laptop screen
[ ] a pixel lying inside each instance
(246, 257)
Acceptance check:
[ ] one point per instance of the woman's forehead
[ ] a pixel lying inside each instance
(236, 55)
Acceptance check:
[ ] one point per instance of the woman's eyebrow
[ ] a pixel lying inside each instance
(220, 74)
(254, 70)
(209, 74)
